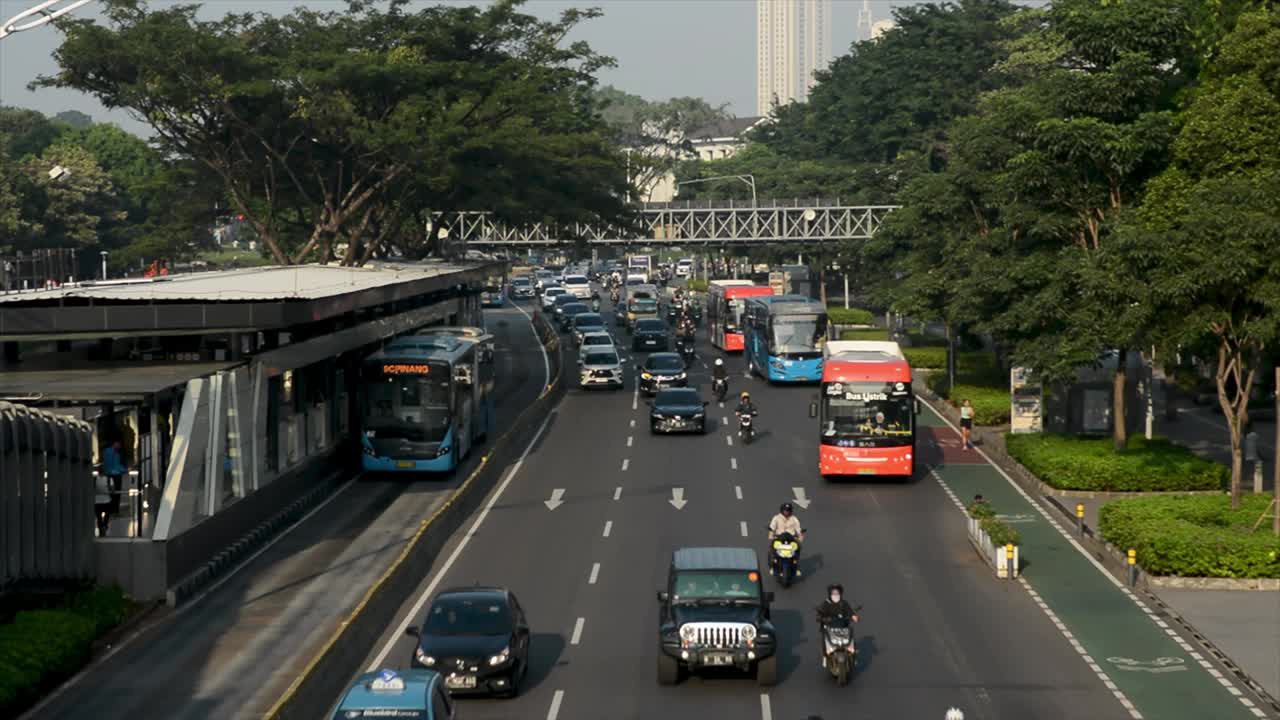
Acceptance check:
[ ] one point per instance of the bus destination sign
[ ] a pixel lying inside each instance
(405, 369)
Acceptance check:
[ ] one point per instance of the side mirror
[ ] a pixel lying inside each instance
(663, 596)
(917, 407)
(412, 631)
(813, 410)
(768, 596)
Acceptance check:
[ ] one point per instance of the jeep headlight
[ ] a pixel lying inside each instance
(748, 633)
(688, 633)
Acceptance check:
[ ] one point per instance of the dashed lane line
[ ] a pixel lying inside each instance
(608, 528)
(595, 574)
(728, 440)
(617, 493)
(633, 423)
(766, 708)
(737, 491)
(733, 463)
(626, 463)
(554, 712)
(630, 439)
(743, 527)
(577, 631)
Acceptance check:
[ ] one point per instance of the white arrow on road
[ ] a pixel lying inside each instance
(677, 498)
(555, 500)
(801, 500)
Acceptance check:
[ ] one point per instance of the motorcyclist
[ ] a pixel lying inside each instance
(613, 294)
(719, 371)
(785, 522)
(687, 328)
(746, 406)
(595, 304)
(832, 607)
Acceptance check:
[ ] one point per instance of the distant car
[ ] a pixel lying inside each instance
(650, 334)
(397, 693)
(578, 285)
(662, 370)
(595, 339)
(521, 288)
(678, 410)
(569, 311)
(557, 306)
(549, 296)
(600, 366)
(585, 323)
(492, 296)
(478, 638)
(543, 279)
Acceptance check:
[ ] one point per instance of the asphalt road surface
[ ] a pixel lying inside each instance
(233, 653)
(938, 630)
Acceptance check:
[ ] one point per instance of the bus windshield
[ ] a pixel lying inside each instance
(796, 333)
(404, 402)
(868, 414)
(644, 305)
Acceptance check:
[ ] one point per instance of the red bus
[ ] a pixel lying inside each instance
(726, 303)
(866, 411)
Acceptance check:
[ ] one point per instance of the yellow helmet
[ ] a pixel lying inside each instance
(745, 394)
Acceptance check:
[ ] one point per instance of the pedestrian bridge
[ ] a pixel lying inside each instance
(802, 222)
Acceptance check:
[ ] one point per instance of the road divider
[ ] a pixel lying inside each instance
(317, 688)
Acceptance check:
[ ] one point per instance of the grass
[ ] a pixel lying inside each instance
(864, 334)
(1069, 462)
(1194, 536)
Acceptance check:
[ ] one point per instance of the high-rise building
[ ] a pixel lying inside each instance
(793, 40)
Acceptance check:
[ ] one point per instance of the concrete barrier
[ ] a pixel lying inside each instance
(313, 693)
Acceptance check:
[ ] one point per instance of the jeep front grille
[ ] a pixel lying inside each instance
(717, 635)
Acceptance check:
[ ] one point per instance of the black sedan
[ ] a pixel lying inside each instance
(662, 370)
(678, 410)
(568, 311)
(477, 638)
(650, 334)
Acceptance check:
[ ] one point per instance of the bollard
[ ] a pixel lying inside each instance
(954, 714)
(1080, 519)
(1008, 558)
(1133, 568)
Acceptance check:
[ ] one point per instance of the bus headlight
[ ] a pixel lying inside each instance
(444, 450)
(424, 658)
(777, 364)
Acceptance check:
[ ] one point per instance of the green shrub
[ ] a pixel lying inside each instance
(41, 648)
(850, 316)
(1000, 532)
(1193, 536)
(926, 357)
(864, 335)
(923, 341)
(991, 405)
(980, 511)
(1074, 463)
(696, 285)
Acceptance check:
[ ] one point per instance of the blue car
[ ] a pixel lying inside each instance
(397, 693)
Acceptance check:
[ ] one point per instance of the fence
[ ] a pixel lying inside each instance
(34, 269)
(46, 496)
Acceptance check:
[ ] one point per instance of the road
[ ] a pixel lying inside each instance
(938, 630)
(232, 653)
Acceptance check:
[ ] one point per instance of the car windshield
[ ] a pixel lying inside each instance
(571, 309)
(588, 320)
(664, 363)
(573, 280)
(468, 616)
(651, 326)
(597, 340)
(601, 358)
(553, 291)
(520, 281)
(733, 585)
(679, 397)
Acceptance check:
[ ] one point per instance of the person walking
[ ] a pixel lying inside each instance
(966, 424)
(114, 468)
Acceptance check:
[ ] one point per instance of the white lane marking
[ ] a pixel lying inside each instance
(630, 439)
(635, 399)
(457, 551)
(677, 498)
(626, 463)
(800, 499)
(728, 440)
(546, 360)
(743, 526)
(633, 423)
(595, 573)
(617, 492)
(721, 406)
(608, 528)
(75, 679)
(737, 491)
(555, 500)
(1067, 536)
(554, 712)
(733, 463)
(766, 711)
(577, 631)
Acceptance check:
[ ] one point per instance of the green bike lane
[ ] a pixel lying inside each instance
(1154, 672)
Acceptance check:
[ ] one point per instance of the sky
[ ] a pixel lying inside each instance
(664, 48)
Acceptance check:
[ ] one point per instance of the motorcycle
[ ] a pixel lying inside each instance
(720, 386)
(613, 296)
(839, 652)
(595, 304)
(684, 346)
(785, 558)
(745, 429)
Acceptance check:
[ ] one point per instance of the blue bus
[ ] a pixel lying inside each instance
(428, 399)
(783, 337)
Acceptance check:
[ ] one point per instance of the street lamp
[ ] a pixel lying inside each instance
(104, 255)
(43, 13)
(748, 179)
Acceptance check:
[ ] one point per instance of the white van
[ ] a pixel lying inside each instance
(578, 286)
(684, 268)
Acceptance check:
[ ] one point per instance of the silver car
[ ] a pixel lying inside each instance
(600, 366)
(550, 294)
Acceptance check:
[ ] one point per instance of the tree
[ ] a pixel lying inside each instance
(74, 118)
(70, 210)
(1214, 216)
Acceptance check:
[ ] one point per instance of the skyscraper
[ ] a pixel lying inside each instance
(793, 40)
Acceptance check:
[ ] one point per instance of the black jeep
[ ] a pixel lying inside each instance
(715, 613)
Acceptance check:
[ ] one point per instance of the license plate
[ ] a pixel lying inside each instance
(718, 659)
(460, 682)
(406, 464)
(866, 471)
(650, 342)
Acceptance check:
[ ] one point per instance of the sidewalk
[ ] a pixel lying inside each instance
(1205, 433)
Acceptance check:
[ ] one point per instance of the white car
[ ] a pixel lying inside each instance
(578, 285)
(684, 268)
(549, 296)
(600, 367)
(595, 339)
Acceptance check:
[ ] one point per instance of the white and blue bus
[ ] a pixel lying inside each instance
(428, 399)
(783, 337)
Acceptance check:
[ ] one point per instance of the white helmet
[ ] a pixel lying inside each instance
(719, 361)
(955, 714)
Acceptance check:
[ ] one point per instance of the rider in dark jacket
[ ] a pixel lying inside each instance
(834, 606)
(719, 371)
(745, 405)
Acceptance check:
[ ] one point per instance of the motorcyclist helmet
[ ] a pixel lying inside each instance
(746, 395)
(835, 591)
(786, 508)
(719, 361)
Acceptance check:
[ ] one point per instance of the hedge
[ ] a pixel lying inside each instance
(697, 285)
(991, 405)
(1081, 463)
(850, 316)
(1000, 532)
(864, 334)
(1194, 535)
(41, 648)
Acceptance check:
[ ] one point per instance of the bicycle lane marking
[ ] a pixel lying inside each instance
(1137, 654)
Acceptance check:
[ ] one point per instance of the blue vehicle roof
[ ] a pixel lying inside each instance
(423, 347)
(365, 693)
